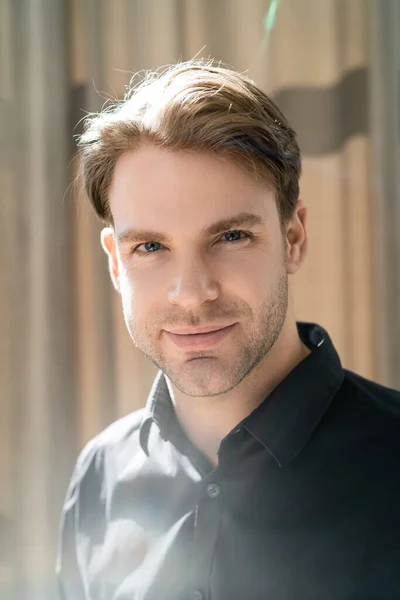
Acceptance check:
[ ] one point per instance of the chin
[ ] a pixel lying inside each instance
(200, 380)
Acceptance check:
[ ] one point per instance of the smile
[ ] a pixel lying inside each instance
(199, 341)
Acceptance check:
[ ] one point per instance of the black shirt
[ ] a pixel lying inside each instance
(304, 503)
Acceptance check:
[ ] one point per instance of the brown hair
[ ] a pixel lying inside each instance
(196, 105)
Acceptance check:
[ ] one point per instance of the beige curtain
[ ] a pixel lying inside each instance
(68, 366)
(320, 80)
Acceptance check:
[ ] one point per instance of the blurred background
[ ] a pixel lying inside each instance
(68, 367)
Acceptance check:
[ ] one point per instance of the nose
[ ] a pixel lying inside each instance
(193, 285)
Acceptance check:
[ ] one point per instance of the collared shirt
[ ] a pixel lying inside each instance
(303, 505)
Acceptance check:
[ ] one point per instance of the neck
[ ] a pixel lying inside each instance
(206, 421)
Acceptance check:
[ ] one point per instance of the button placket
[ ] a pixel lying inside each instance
(208, 516)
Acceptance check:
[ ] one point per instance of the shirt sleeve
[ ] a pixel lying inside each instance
(70, 580)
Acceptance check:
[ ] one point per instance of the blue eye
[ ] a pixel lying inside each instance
(235, 235)
(146, 248)
(152, 246)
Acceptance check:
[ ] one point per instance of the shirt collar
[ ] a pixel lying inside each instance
(284, 422)
(158, 410)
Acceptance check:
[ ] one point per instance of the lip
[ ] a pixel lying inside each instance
(194, 330)
(201, 337)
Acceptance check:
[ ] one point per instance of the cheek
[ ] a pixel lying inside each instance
(129, 297)
(140, 293)
(251, 276)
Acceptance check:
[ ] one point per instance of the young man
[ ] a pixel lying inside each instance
(259, 468)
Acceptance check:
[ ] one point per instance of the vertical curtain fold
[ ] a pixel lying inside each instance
(41, 388)
(384, 90)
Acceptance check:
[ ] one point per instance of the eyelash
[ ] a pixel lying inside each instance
(246, 235)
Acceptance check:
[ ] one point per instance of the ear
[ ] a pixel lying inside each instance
(296, 238)
(110, 248)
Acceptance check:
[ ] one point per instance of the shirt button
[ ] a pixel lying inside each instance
(213, 490)
(198, 595)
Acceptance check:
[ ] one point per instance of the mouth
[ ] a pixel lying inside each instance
(198, 338)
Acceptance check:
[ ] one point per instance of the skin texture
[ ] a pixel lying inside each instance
(175, 269)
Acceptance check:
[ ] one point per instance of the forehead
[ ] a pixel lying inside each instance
(154, 186)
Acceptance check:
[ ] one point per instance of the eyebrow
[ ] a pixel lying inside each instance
(242, 219)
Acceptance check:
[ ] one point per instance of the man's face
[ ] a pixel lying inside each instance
(197, 245)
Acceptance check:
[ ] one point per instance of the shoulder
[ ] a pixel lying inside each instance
(373, 395)
(363, 422)
(121, 437)
(120, 431)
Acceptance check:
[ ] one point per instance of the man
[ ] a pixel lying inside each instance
(259, 467)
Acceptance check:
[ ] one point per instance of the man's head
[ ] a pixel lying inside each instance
(196, 176)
